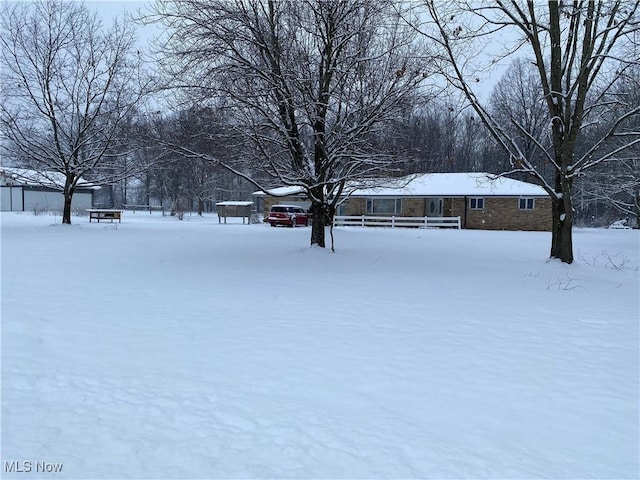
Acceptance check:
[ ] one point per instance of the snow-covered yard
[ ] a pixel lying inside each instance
(166, 349)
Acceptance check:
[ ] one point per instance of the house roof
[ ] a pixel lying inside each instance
(26, 177)
(438, 185)
(453, 185)
(232, 203)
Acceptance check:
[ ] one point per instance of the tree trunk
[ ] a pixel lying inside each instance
(323, 213)
(562, 224)
(200, 206)
(66, 211)
(318, 224)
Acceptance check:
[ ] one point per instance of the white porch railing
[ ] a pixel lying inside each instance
(395, 222)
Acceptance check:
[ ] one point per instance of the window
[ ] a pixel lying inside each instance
(388, 206)
(476, 203)
(526, 204)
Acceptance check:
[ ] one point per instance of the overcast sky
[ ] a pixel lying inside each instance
(109, 10)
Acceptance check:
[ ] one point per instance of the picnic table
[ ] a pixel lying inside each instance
(104, 214)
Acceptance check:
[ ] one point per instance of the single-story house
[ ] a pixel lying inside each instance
(31, 191)
(481, 200)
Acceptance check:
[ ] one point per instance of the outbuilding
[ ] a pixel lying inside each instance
(234, 209)
(31, 191)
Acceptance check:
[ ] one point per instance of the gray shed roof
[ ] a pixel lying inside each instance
(26, 177)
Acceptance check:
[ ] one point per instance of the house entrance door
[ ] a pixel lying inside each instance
(434, 207)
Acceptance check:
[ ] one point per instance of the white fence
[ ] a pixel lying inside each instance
(149, 208)
(395, 222)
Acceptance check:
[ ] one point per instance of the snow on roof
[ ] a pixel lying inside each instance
(23, 176)
(438, 185)
(234, 203)
(453, 185)
(280, 191)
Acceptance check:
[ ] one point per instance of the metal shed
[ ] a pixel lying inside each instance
(29, 190)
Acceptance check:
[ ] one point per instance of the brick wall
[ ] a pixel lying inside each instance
(413, 207)
(356, 206)
(502, 213)
(454, 207)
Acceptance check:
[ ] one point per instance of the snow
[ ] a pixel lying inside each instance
(232, 203)
(281, 191)
(439, 185)
(157, 348)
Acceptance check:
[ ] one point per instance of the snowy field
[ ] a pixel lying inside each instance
(166, 349)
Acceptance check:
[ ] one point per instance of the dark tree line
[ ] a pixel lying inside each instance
(166, 177)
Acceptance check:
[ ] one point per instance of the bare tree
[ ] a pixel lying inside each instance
(617, 183)
(441, 136)
(517, 103)
(619, 189)
(68, 86)
(192, 182)
(574, 49)
(307, 83)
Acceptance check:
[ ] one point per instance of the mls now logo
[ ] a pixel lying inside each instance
(27, 466)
